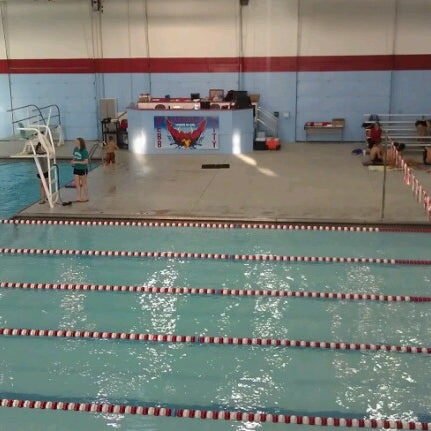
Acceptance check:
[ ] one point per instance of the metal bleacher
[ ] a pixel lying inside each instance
(401, 128)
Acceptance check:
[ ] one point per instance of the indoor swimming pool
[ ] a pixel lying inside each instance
(247, 371)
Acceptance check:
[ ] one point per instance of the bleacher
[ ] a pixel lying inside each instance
(401, 128)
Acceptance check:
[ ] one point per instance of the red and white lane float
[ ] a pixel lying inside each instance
(419, 193)
(107, 288)
(214, 414)
(207, 291)
(213, 256)
(197, 224)
(205, 339)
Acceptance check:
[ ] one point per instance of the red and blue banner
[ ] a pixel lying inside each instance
(188, 133)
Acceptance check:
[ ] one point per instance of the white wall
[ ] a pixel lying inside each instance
(202, 28)
(413, 27)
(270, 27)
(124, 29)
(191, 28)
(342, 27)
(56, 29)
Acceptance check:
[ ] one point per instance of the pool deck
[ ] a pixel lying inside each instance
(303, 182)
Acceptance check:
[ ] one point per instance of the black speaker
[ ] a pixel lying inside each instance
(243, 2)
(241, 100)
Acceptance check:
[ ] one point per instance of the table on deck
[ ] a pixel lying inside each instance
(327, 128)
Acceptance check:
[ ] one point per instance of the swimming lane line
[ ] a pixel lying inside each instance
(207, 291)
(205, 339)
(212, 256)
(216, 225)
(214, 414)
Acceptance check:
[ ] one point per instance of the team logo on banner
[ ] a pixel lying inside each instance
(187, 132)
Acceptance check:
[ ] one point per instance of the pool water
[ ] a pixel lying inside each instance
(299, 381)
(20, 186)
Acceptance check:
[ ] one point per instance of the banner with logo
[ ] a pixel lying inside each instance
(188, 133)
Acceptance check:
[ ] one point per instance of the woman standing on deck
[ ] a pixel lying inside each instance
(80, 170)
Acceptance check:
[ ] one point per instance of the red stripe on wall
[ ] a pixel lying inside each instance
(218, 64)
(346, 63)
(270, 64)
(72, 65)
(123, 65)
(363, 63)
(412, 62)
(194, 65)
(4, 67)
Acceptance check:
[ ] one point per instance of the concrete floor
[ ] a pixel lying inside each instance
(303, 182)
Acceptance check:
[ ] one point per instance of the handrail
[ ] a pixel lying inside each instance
(264, 117)
(57, 115)
(93, 150)
(272, 120)
(39, 116)
(267, 113)
(35, 108)
(272, 130)
(24, 119)
(259, 120)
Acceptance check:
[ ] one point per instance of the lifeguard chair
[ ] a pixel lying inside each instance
(42, 134)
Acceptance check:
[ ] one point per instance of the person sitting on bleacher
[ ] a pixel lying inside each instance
(427, 156)
(374, 135)
(421, 127)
